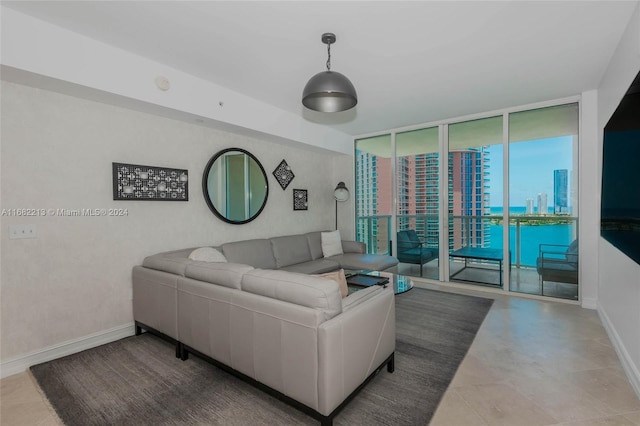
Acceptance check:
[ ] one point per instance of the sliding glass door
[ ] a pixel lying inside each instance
(417, 218)
(374, 195)
(475, 192)
(491, 201)
(543, 201)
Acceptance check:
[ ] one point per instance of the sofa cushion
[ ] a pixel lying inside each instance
(353, 247)
(357, 261)
(317, 293)
(207, 254)
(221, 273)
(313, 267)
(315, 244)
(331, 243)
(339, 277)
(257, 253)
(173, 262)
(357, 297)
(290, 250)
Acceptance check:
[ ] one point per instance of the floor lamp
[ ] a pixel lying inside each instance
(341, 193)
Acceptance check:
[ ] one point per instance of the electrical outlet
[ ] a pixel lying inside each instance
(22, 231)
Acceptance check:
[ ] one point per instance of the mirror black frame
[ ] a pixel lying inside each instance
(205, 186)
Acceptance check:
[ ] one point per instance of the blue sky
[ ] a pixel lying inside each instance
(532, 164)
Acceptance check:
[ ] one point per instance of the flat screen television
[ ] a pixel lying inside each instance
(620, 198)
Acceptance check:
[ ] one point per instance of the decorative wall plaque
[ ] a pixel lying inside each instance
(300, 200)
(283, 174)
(136, 182)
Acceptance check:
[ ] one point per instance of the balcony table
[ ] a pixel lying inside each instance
(478, 253)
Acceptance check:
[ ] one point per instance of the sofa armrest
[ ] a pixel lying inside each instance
(353, 247)
(155, 300)
(352, 345)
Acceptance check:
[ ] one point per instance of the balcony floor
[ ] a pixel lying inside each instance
(523, 279)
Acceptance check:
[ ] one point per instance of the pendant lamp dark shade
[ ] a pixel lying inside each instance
(329, 91)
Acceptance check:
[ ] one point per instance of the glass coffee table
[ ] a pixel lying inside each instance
(357, 280)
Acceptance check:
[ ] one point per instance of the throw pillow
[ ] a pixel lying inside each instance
(340, 278)
(207, 254)
(331, 243)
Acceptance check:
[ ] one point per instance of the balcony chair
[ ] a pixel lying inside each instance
(558, 263)
(412, 250)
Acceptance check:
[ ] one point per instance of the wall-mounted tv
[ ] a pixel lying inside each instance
(620, 201)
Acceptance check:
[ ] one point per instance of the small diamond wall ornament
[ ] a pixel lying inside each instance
(283, 174)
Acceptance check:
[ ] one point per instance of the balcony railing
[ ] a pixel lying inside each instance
(526, 233)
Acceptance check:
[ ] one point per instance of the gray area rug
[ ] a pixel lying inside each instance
(138, 380)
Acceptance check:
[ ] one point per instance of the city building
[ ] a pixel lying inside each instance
(542, 203)
(417, 196)
(561, 191)
(529, 209)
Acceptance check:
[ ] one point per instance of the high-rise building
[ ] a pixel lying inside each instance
(470, 196)
(373, 175)
(529, 209)
(542, 203)
(418, 196)
(417, 186)
(561, 191)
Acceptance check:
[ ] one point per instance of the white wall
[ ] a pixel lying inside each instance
(589, 211)
(619, 276)
(74, 279)
(96, 70)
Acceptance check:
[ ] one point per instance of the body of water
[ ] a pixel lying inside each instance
(530, 236)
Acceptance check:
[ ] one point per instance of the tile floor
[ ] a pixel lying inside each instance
(22, 404)
(523, 279)
(538, 363)
(532, 363)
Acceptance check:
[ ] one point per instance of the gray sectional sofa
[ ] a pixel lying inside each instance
(261, 317)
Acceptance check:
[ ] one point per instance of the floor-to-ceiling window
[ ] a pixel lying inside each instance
(417, 188)
(490, 201)
(543, 200)
(475, 189)
(374, 196)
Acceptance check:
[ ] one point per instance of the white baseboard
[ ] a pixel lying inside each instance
(22, 363)
(631, 370)
(590, 303)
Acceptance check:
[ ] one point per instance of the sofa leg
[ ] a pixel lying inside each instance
(178, 350)
(184, 354)
(391, 365)
(326, 421)
(138, 330)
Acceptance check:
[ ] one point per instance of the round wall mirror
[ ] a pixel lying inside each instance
(235, 186)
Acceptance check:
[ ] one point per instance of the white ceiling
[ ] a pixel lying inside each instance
(411, 62)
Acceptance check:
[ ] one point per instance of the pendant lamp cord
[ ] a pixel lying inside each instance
(328, 56)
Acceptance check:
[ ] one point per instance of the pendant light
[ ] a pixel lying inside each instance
(329, 91)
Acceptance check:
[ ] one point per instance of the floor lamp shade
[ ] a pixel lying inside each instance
(341, 193)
